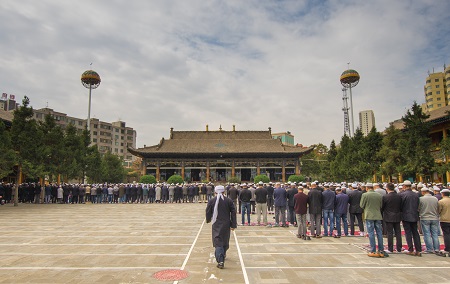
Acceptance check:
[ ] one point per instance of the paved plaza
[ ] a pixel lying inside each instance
(129, 243)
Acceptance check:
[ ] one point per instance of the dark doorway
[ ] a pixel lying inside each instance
(195, 175)
(246, 174)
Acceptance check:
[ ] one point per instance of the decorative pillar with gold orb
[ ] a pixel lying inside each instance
(91, 80)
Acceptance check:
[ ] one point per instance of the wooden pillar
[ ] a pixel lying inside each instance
(283, 172)
(400, 178)
(383, 178)
(182, 169)
(143, 168)
(158, 172)
(207, 171)
(297, 167)
(233, 171)
(258, 168)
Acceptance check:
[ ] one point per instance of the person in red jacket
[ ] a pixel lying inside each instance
(301, 209)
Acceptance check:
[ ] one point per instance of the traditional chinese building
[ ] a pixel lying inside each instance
(220, 155)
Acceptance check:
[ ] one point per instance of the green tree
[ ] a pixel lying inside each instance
(113, 171)
(234, 180)
(147, 179)
(94, 170)
(73, 159)
(26, 140)
(175, 179)
(296, 178)
(374, 142)
(7, 154)
(417, 147)
(53, 146)
(263, 178)
(389, 155)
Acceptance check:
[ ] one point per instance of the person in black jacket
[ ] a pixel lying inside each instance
(354, 198)
(392, 215)
(290, 202)
(410, 217)
(244, 196)
(261, 203)
(315, 210)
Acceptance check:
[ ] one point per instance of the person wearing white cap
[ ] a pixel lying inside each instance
(221, 212)
(444, 215)
(410, 217)
(429, 221)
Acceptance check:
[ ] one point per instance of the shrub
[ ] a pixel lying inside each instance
(234, 180)
(263, 178)
(175, 179)
(296, 178)
(147, 179)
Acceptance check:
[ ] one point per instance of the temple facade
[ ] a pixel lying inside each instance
(220, 155)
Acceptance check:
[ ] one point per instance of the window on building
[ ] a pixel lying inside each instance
(95, 125)
(122, 131)
(438, 92)
(438, 99)
(116, 150)
(121, 150)
(116, 143)
(94, 140)
(428, 81)
(437, 86)
(436, 80)
(439, 105)
(95, 132)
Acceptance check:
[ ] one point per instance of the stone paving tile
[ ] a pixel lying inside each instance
(128, 243)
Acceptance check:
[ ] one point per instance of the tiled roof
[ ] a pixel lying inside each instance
(220, 142)
(435, 116)
(6, 115)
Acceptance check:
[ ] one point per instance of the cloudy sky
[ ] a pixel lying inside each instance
(255, 64)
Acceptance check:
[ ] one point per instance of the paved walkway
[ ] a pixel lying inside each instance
(128, 243)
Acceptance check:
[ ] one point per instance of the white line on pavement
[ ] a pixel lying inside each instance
(244, 271)
(192, 247)
(346, 267)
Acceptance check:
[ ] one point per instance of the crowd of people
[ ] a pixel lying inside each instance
(379, 210)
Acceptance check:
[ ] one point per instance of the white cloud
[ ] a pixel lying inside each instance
(255, 64)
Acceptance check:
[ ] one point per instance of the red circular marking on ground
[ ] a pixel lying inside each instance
(170, 275)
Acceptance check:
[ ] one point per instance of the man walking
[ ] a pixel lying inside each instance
(221, 212)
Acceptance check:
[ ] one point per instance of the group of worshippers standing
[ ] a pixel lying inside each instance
(384, 208)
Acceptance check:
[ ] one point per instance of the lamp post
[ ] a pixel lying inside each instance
(91, 80)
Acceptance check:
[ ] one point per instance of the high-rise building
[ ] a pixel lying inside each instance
(115, 137)
(436, 90)
(366, 121)
(8, 103)
(286, 137)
